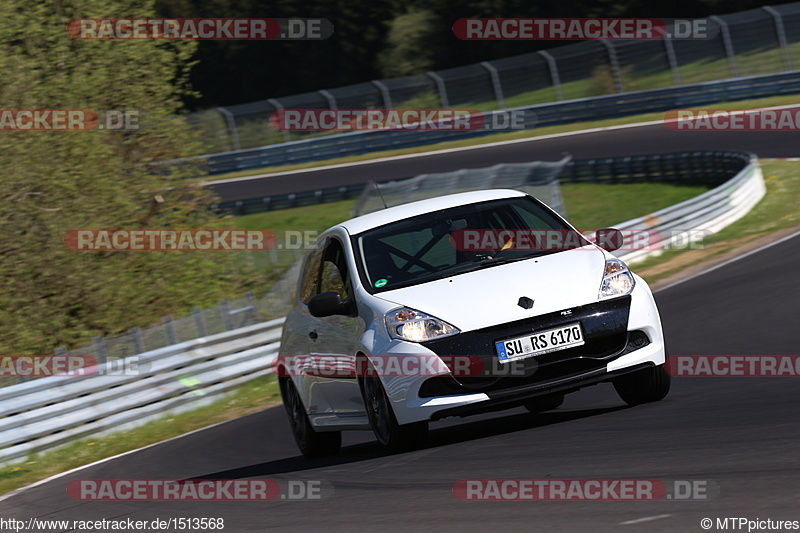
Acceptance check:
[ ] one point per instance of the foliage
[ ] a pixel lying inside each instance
(53, 181)
(407, 49)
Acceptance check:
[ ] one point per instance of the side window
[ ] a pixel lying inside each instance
(309, 281)
(335, 275)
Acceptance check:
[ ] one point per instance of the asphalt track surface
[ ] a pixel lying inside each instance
(739, 434)
(639, 140)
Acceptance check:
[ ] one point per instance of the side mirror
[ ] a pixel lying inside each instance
(609, 239)
(329, 304)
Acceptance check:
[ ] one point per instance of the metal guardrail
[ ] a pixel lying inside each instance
(684, 223)
(585, 109)
(48, 412)
(52, 411)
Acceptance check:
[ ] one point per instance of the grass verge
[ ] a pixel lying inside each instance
(620, 202)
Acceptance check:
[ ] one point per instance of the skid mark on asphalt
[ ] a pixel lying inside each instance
(645, 519)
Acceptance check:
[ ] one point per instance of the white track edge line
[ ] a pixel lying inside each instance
(729, 261)
(107, 459)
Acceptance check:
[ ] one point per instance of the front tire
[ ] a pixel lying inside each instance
(643, 386)
(390, 435)
(311, 443)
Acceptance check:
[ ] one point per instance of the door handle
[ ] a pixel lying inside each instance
(313, 334)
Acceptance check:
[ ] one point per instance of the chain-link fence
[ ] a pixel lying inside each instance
(228, 315)
(753, 42)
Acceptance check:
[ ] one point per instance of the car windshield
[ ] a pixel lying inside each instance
(459, 240)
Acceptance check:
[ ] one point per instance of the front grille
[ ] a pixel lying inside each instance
(604, 327)
(606, 337)
(556, 369)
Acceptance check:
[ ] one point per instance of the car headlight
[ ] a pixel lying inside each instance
(617, 280)
(410, 325)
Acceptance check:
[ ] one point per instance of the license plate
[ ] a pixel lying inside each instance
(540, 342)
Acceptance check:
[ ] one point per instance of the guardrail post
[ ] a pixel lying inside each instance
(727, 43)
(498, 89)
(330, 98)
(277, 105)
(251, 302)
(781, 35)
(100, 349)
(199, 322)
(169, 327)
(554, 78)
(136, 337)
(385, 94)
(225, 310)
(440, 86)
(672, 59)
(614, 63)
(232, 131)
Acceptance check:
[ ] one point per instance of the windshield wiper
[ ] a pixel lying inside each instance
(490, 262)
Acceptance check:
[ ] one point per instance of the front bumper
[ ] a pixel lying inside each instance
(513, 397)
(613, 332)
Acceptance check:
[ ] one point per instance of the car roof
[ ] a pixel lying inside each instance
(366, 222)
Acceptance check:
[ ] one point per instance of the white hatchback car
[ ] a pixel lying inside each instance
(435, 309)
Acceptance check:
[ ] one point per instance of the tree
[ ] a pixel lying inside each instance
(408, 49)
(53, 181)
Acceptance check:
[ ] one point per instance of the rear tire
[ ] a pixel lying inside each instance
(545, 403)
(392, 436)
(643, 386)
(311, 443)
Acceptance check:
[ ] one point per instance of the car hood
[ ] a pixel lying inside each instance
(488, 297)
